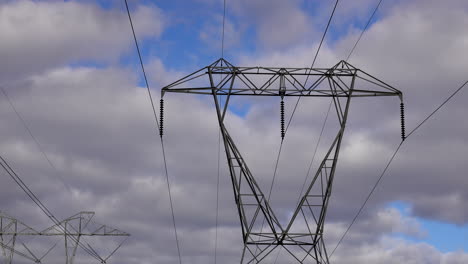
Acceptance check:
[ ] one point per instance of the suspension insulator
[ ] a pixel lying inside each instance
(282, 118)
(402, 116)
(161, 117)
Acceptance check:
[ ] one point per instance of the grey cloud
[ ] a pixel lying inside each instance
(98, 129)
(211, 34)
(42, 35)
(390, 251)
(416, 65)
(279, 24)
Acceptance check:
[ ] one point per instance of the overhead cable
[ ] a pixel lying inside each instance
(219, 148)
(158, 127)
(297, 103)
(39, 146)
(9, 170)
(390, 161)
(313, 62)
(364, 30)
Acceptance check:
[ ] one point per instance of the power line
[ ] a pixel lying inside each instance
(274, 173)
(349, 55)
(326, 118)
(364, 30)
(367, 198)
(222, 37)
(323, 38)
(39, 146)
(299, 98)
(297, 103)
(28, 191)
(219, 146)
(437, 109)
(315, 150)
(141, 64)
(390, 161)
(159, 126)
(217, 197)
(313, 62)
(44, 209)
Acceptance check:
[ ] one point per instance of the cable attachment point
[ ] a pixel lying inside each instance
(161, 117)
(402, 116)
(282, 118)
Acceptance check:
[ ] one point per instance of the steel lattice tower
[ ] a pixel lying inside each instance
(262, 232)
(77, 229)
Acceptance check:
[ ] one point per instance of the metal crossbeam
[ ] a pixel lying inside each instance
(77, 226)
(241, 81)
(302, 237)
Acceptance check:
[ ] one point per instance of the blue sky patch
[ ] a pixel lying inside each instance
(446, 237)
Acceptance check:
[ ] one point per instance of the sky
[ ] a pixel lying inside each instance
(71, 72)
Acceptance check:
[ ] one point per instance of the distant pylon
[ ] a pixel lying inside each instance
(79, 228)
(10, 229)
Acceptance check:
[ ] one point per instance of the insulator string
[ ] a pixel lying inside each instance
(161, 117)
(282, 118)
(402, 116)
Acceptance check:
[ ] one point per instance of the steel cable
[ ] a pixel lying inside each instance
(390, 161)
(158, 127)
(294, 110)
(39, 146)
(219, 147)
(44, 209)
(313, 63)
(364, 30)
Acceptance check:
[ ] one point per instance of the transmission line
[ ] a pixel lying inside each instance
(294, 110)
(437, 109)
(391, 160)
(39, 146)
(219, 145)
(313, 62)
(28, 191)
(315, 150)
(217, 197)
(299, 98)
(44, 209)
(224, 21)
(326, 118)
(318, 142)
(364, 30)
(159, 126)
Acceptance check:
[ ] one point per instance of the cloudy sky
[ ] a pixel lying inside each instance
(71, 71)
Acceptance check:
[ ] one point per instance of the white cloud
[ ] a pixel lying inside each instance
(279, 24)
(98, 129)
(39, 35)
(211, 34)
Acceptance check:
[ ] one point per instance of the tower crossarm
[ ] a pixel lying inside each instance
(81, 227)
(12, 226)
(265, 81)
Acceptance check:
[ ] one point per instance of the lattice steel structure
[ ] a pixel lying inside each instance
(10, 229)
(302, 237)
(76, 229)
(80, 226)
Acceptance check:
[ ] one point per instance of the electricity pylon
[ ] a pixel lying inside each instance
(262, 232)
(10, 229)
(75, 230)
